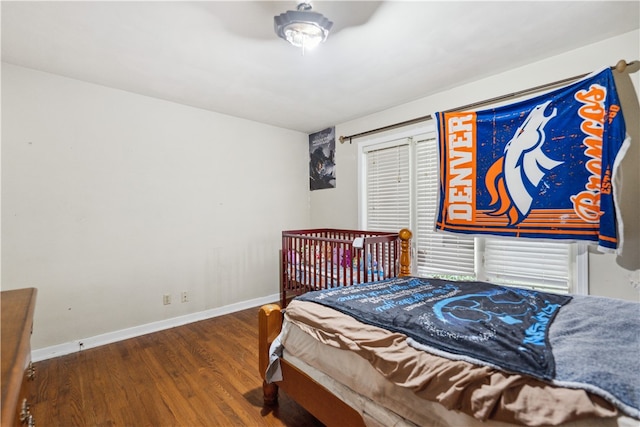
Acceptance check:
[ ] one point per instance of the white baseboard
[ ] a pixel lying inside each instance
(136, 331)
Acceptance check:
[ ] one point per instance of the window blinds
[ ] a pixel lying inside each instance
(437, 253)
(388, 185)
(536, 264)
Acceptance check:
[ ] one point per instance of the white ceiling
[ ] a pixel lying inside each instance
(225, 57)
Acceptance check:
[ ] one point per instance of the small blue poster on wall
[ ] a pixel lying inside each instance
(322, 166)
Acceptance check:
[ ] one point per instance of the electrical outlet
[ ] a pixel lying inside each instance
(184, 297)
(166, 299)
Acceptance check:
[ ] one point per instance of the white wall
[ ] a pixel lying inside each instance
(111, 199)
(610, 275)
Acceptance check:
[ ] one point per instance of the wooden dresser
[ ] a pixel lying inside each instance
(17, 371)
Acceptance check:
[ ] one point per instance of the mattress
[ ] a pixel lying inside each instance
(329, 359)
(327, 274)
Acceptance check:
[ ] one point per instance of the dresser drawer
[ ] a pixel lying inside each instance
(23, 416)
(17, 373)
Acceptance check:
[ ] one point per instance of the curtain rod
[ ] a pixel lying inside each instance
(620, 67)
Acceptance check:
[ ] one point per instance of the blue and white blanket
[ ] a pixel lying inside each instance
(539, 168)
(565, 340)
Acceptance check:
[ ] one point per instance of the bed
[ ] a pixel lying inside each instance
(347, 371)
(324, 258)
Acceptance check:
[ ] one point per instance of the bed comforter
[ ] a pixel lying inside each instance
(597, 368)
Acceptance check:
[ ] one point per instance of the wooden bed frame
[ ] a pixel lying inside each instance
(316, 399)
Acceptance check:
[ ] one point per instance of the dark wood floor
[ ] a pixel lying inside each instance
(201, 374)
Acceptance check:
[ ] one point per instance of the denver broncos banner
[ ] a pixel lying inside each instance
(539, 168)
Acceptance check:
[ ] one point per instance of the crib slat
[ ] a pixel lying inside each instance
(325, 258)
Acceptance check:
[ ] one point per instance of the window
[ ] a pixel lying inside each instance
(399, 188)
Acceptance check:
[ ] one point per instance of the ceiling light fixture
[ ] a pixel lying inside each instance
(302, 28)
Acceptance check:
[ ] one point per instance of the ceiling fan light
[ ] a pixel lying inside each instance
(302, 28)
(308, 36)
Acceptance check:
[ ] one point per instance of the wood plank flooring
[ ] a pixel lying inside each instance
(200, 374)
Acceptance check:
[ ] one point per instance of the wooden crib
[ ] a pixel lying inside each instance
(326, 258)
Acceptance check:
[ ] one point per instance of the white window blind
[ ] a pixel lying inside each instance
(535, 264)
(438, 254)
(388, 185)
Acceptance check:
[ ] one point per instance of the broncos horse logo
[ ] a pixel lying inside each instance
(514, 177)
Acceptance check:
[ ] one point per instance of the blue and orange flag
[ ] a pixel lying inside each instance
(540, 168)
